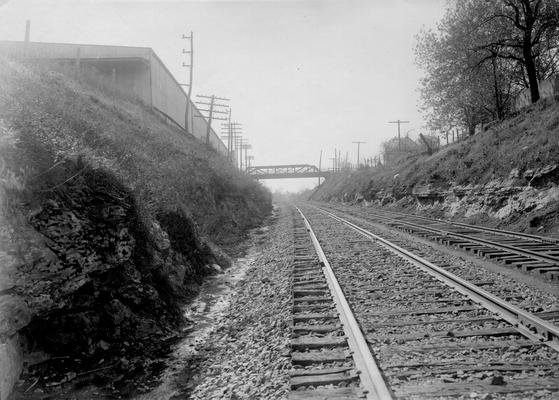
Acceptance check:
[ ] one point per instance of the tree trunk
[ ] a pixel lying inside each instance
(531, 72)
(498, 103)
(529, 62)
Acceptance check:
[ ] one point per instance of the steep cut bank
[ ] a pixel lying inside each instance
(110, 220)
(506, 176)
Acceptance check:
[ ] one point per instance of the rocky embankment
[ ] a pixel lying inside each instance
(505, 177)
(110, 220)
(526, 202)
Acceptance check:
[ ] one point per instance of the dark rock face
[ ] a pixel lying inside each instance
(540, 177)
(104, 281)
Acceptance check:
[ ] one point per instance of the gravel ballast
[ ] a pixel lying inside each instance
(432, 342)
(247, 355)
(518, 288)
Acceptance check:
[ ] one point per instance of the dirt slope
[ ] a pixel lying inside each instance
(109, 220)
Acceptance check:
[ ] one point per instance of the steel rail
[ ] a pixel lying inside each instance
(526, 324)
(374, 385)
(520, 235)
(525, 252)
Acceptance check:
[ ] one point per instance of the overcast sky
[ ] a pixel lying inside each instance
(301, 75)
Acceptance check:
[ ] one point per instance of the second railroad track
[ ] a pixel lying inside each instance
(373, 320)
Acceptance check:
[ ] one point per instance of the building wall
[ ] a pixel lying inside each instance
(130, 76)
(70, 50)
(170, 98)
(137, 71)
(166, 94)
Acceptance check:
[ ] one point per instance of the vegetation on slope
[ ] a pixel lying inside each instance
(506, 153)
(108, 219)
(482, 55)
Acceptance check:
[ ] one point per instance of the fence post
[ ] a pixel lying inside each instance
(78, 64)
(27, 35)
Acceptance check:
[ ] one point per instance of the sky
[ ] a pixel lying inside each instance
(302, 76)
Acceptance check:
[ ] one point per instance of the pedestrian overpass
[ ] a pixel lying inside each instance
(286, 171)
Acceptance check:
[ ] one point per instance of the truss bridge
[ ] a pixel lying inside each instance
(286, 171)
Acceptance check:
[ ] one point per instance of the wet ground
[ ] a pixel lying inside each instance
(117, 382)
(202, 315)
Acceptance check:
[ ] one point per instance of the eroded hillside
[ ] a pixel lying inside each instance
(110, 219)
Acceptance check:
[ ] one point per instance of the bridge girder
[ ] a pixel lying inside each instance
(289, 171)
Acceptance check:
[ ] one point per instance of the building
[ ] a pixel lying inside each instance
(136, 71)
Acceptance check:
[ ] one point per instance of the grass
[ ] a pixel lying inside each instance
(527, 141)
(56, 117)
(109, 216)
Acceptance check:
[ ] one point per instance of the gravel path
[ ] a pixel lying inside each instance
(247, 356)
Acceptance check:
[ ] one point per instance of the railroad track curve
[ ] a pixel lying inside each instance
(430, 334)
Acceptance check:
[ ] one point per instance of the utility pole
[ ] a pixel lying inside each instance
(229, 131)
(246, 147)
(335, 160)
(319, 166)
(237, 140)
(27, 37)
(358, 143)
(234, 134)
(78, 63)
(399, 122)
(229, 134)
(243, 145)
(211, 111)
(238, 143)
(189, 92)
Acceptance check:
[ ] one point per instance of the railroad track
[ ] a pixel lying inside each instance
(431, 334)
(530, 253)
(330, 355)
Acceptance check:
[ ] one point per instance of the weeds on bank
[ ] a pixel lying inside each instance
(163, 166)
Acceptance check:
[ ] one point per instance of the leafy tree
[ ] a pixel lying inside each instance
(457, 89)
(481, 54)
(524, 31)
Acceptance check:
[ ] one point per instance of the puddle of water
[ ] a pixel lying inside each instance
(204, 313)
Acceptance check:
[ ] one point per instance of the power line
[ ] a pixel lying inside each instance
(232, 129)
(211, 111)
